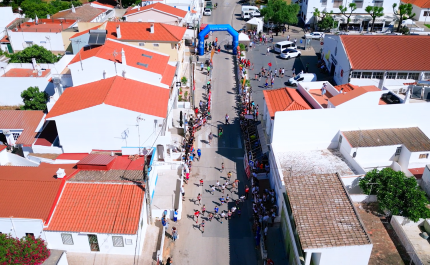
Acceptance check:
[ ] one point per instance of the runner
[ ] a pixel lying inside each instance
(226, 118)
(202, 226)
(196, 214)
(201, 182)
(199, 198)
(203, 209)
(216, 209)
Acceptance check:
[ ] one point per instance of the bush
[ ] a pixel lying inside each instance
(34, 99)
(185, 95)
(184, 80)
(27, 250)
(37, 52)
(242, 46)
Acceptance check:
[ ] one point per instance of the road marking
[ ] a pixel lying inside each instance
(239, 143)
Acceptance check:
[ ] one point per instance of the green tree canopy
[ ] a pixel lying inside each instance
(34, 99)
(278, 11)
(344, 11)
(31, 8)
(374, 12)
(323, 19)
(41, 55)
(398, 194)
(404, 12)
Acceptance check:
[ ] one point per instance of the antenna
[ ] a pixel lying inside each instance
(79, 46)
(114, 59)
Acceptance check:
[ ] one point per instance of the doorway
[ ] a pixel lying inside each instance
(333, 67)
(94, 243)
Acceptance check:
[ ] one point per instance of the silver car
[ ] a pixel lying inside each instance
(290, 53)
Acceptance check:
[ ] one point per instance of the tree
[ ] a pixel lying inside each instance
(41, 55)
(27, 250)
(374, 12)
(396, 193)
(326, 21)
(31, 8)
(344, 9)
(278, 11)
(404, 12)
(34, 99)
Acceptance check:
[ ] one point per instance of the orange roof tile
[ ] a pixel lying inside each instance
(85, 13)
(2, 147)
(168, 75)
(115, 91)
(157, 63)
(346, 87)
(284, 99)
(72, 156)
(98, 208)
(139, 31)
(160, 7)
(19, 72)
(46, 25)
(84, 32)
(418, 3)
(321, 99)
(26, 120)
(387, 52)
(5, 40)
(30, 192)
(344, 97)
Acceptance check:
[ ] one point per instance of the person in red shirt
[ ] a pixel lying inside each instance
(196, 214)
(246, 192)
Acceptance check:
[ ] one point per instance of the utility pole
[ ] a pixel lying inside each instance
(147, 188)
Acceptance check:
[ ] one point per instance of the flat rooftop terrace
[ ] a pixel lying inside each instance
(322, 99)
(167, 189)
(310, 162)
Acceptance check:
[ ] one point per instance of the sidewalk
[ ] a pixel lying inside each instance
(275, 245)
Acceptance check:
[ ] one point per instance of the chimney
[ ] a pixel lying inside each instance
(152, 28)
(123, 57)
(118, 32)
(73, 9)
(60, 173)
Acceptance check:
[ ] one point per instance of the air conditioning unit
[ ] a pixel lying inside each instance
(6, 132)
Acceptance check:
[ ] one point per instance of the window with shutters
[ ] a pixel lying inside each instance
(391, 75)
(67, 239)
(117, 241)
(424, 156)
(398, 150)
(413, 76)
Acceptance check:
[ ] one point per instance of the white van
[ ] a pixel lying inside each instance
(253, 11)
(246, 15)
(305, 77)
(280, 46)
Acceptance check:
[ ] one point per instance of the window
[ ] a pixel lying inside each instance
(414, 76)
(354, 154)
(359, 3)
(378, 3)
(402, 75)
(340, 139)
(141, 44)
(128, 241)
(366, 75)
(426, 75)
(15, 136)
(424, 156)
(117, 241)
(42, 41)
(378, 75)
(356, 74)
(324, 2)
(32, 235)
(67, 239)
(391, 75)
(398, 151)
(29, 43)
(337, 3)
(426, 13)
(156, 45)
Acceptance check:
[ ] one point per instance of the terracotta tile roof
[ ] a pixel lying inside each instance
(168, 75)
(26, 120)
(18, 72)
(319, 97)
(387, 52)
(156, 62)
(344, 97)
(139, 31)
(72, 156)
(46, 25)
(85, 13)
(323, 213)
(93, 159)
(346, 87)
(160, 7)
(2, 147)
(412, 138)
(417, 172)
(418, 3)
(100, 4)
(284, 99)
(48, 135)
(5, 39)
(98, 208)
(84, 32)
(114, 91)
(29, 192)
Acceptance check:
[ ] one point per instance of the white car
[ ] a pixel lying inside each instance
(314, 35)
(290, 53)
(207, 12)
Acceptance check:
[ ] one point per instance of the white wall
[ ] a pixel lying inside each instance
(318, 129)
(379, 156)
(304, 87)
(105, 127)
(12, 87)
(416, 162)
(369, 98)
(346, 150)
(18, 39)
(404, 157)
(93, 67)
(330, 44)
(154, 16)
(7, 158)
(425, 184)
(18, 227)
(355, 255)
(6, 17)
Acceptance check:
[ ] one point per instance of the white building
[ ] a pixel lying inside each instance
(157, 13)
(101, 208)
(7, 17)
(421, 8)
(110, 114)
(425, 184)
(361, 16)
(395, 66)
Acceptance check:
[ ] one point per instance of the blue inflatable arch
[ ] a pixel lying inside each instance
(220, 27)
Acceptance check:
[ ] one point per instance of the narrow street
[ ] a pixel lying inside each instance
(230, 242)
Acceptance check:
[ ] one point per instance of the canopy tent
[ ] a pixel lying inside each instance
(254, 23)
(244, 39)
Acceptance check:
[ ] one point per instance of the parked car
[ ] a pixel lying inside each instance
(207, 12)
(314, 35)
(305, 77)
(290, 53)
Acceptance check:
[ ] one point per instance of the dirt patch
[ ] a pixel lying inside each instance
(16, 107)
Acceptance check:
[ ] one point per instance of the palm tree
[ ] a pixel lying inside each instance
(343, 10)
(374, 12)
